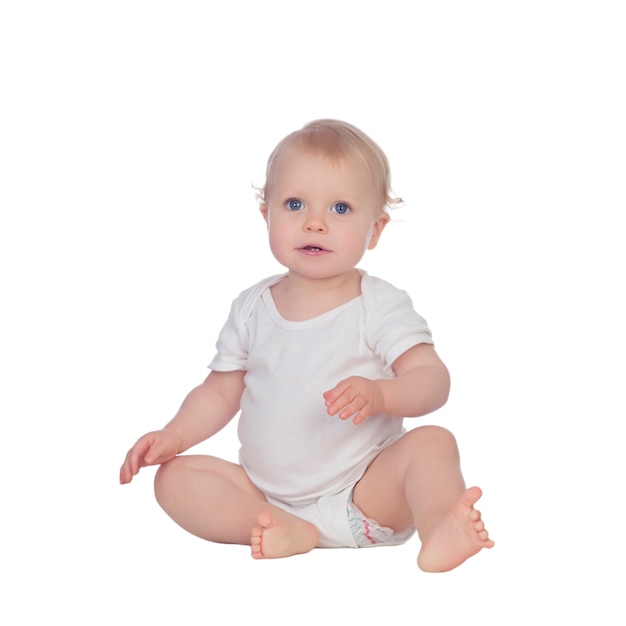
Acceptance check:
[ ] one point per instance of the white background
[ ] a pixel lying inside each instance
(131, 134)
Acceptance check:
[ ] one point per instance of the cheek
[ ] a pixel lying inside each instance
(278, 237)
(358, 245)
(368, 233)
(276, 230)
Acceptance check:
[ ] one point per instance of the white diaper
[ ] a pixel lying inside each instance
(341, 524)
(369, 533)
(329, 516)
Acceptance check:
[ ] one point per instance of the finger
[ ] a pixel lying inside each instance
(152, 456)
(332, 394)
(360, 418)
(349, 410)
(344, 408)
(355, 407)
(126, 471)
(342, 401)
(124, 477)
(334, 406)
(158, 451)
(133, 461)
(362, 415)
(137, 454)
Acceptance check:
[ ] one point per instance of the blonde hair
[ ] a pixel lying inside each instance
(338, 140)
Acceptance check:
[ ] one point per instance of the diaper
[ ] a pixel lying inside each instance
(341, 524)
(328, 515)
(369, 533)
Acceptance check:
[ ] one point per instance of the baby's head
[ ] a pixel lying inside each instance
(337, 141)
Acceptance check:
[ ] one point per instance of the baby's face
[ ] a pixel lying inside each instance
(322, 215)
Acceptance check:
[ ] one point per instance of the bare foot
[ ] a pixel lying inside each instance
(455, 537)
(274, 538)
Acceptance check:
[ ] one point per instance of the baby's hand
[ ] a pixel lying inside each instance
(356, 396)
(152, 449)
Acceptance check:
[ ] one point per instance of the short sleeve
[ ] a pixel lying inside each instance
(232, 350)
(234, 341)
(393, 325)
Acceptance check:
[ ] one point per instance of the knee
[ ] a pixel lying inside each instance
(167, 479)
(433, 438)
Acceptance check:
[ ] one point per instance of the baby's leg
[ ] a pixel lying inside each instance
(215, 500)
(418, 481)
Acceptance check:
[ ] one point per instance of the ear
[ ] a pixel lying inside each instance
(264, 213)
(379, 226)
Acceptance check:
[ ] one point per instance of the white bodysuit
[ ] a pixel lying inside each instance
(291, 449)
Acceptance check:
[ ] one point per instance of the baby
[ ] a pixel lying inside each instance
(324, 362)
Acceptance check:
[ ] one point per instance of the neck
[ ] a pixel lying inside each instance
(299, 298)
(296, 283)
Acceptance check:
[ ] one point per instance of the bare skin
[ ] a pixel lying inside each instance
(234, 508)
(276, 537)
(417, 481)
(455, 537)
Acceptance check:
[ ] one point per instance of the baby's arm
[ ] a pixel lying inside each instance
(421, 386)
(206, 410)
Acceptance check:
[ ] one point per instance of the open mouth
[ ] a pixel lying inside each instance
(313, 249)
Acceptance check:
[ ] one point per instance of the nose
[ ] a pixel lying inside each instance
(315, 223)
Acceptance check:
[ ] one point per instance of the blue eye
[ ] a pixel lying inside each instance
(294, 204)
(340, 208)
